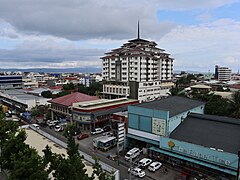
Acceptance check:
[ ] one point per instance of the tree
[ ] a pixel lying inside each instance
(69, 86)
(46, 94)
(217, 106)
(70, 167)
(235, 105)
(21, 161)
(102, 175)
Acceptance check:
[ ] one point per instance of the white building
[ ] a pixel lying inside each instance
(136, 70)
(222, 73)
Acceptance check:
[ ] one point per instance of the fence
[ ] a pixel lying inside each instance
(88, 158)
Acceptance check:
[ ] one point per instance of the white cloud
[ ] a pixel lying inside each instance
(202, 46)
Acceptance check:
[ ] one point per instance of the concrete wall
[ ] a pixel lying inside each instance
(176, 120)
(141, 118)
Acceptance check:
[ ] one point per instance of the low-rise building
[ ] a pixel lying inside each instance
(62, 107)
(203, 143)
(98, 113)
(19, 101)
(11, 81)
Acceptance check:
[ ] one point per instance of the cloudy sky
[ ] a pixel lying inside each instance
(75, 33)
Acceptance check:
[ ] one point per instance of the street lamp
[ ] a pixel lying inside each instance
(238, 168)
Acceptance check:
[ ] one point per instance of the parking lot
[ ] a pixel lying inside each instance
(159, 174)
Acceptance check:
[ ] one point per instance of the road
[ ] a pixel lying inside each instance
(85, 145)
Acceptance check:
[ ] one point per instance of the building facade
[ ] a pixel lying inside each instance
(19, 101)
(138, 64)
(61, 107)
(11, 81)
(222, 73)
(98, 113)
(175, 131)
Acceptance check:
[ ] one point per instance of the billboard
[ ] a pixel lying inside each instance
(159, 126)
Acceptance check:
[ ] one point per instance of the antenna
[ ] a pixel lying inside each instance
(138, 34)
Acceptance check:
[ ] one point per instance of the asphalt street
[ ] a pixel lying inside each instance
(85, 145)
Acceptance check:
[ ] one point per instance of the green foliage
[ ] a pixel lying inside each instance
(202, 96)
(70, 167)
(39, 110)
(70, 129)
(69, 86)
(102, 175)
(186, 80)
(46, 94)
(217, 106)
(235, 105)
(93, 89)
(21, 161)
(62, 93)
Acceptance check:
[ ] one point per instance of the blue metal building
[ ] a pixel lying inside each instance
(176, 131)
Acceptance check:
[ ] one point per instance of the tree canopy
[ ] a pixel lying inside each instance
(24, 163)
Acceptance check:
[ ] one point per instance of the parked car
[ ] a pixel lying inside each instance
(107, 128)
(137, 172)
(51, 123)
(184, 176)
(97, 131)
(144, 162)
(58, 128)
(82, 136)
(132, 154)
(154, 166)
(36, 126)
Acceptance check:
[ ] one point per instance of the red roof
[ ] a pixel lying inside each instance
(236, 86)
(69, 99)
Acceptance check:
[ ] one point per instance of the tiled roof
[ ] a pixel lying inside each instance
(69, 99)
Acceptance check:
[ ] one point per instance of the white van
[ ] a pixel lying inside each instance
(133, 153)
(36, 126)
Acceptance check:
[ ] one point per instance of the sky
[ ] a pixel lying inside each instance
(76, 33)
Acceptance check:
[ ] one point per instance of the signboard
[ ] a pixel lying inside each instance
(197, 152)
(121, 132)
(159, 126)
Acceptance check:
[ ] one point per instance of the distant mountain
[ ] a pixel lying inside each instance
(188, 71)
(60, 70)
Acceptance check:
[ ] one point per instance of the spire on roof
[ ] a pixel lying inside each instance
(138, 33)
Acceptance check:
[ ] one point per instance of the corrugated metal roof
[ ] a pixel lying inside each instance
(210, 131)
(174, 104)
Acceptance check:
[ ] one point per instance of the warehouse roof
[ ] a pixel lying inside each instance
(174, 104)
(210, 131)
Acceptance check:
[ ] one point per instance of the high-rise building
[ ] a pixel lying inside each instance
(138, 69)
(222, 73)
